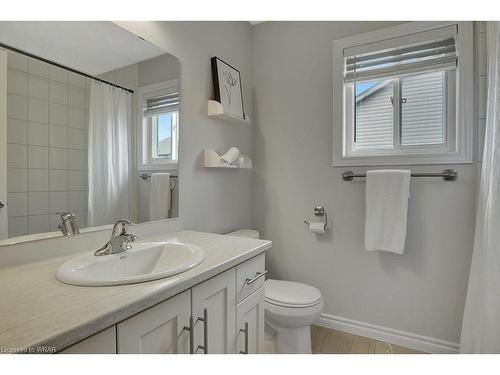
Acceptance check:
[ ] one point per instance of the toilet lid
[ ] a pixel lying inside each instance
(291, 294)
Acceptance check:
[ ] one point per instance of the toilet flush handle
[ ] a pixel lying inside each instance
(257, 277)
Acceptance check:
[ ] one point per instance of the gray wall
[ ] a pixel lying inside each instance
(210, 200)
(422, 291)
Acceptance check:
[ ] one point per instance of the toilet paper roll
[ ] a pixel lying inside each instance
(317, 227)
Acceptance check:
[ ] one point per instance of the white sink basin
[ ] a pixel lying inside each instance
(145, 261)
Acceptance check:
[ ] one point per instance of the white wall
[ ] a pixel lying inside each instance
(422, 291)
(210, 200)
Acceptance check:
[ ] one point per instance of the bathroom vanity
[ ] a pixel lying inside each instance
(215, 307)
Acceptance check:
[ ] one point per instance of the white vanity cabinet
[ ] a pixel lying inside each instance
(224, 314)
(159, 329)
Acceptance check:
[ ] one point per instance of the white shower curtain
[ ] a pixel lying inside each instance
(109, 160)
(481, 323)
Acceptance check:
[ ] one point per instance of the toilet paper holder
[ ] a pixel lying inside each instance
(320, 212)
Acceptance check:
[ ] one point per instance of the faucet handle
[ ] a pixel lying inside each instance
(123, 223)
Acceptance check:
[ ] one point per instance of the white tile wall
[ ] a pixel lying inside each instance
(16, 131)
(38, 203)
(58, 136)
(47, 145)
(38, 134)
(59, 92)
(17, 61)
(17, 82)
(58, 114)
(18, 204)
(18, 180)
(38, 87)
(38, 157)
(18, 226)
(38, 180)
(38, 223)
(17, 106)
(17, 156)
(58, 158)
(38, 110)
(58, 180)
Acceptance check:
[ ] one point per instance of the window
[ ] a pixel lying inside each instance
(159, 133)
(397, 98)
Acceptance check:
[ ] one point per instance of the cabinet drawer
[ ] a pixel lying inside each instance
(247, 276)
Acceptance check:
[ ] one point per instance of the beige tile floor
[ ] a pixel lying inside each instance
(329, 341)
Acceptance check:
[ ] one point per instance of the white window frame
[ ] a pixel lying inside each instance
(459, 117)
(144, 159)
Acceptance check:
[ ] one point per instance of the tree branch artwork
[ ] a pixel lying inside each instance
(230, 82)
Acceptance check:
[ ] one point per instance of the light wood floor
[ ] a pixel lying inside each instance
(329, 341)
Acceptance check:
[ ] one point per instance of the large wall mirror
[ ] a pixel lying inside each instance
(91, 117)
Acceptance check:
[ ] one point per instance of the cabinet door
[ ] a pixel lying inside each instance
(158, 329)
(103, 342)
(218, 296)
(251, 312)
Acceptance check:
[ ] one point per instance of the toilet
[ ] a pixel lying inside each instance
(291, 308)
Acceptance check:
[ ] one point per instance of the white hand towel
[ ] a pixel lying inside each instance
(159, 201)
(387, 194)
(231, 155)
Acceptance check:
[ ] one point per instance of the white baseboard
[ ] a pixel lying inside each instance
(393, 336)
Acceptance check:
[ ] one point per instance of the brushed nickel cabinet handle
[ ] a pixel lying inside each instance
(258, 275)
(190, 330)
(246, 339)
(204, 347)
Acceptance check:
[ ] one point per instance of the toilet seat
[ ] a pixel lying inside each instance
(291, 305)
(291, 294)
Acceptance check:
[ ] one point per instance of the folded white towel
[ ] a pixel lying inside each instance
(159, 201)
(231, 155)
(387, 194)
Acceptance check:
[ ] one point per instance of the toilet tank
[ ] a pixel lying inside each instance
(248, 233)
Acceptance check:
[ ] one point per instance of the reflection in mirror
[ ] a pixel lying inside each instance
(89, 140)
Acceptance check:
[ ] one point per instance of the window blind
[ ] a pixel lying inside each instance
(161, 104)
(423, 57)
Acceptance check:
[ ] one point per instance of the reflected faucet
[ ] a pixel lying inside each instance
(68, 226)
(119, 241)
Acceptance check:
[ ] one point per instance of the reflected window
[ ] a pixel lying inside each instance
(164, 136)
(159, 138)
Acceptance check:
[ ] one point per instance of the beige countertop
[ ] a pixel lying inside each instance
(37, 310)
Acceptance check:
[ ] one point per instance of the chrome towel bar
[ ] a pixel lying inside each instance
(145, 176)
(447, 175)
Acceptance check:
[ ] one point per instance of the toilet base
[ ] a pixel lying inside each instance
(291, 340)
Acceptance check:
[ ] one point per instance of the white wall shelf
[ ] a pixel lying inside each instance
(216, 110)
(213, 160)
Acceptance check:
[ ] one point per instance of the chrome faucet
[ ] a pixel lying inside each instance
(68, 225)
(119, 241)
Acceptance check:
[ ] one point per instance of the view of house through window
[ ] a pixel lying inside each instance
(413, 106)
